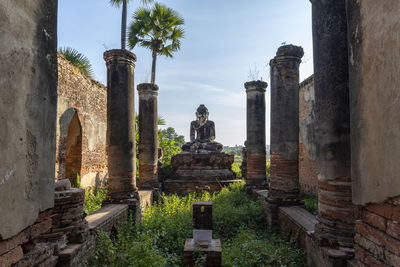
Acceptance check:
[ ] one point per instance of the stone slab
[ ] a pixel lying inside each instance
(303, 218)
(295, 221)
(106, 215)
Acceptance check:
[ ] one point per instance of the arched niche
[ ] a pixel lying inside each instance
(73, 149)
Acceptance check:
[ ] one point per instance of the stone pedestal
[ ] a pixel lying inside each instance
(284, 180)
(121, 145)
(195, 172)
(213, 253)
(332, 128)
(256, 153)
(148, 136)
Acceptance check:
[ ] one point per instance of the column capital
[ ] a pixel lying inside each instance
(260, 86)
(119, 56)
(147, 88)
(288, 53)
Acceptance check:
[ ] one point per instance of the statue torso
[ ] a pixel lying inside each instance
(203, 132)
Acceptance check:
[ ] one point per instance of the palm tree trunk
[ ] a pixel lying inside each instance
(123, 24)
(153, 67)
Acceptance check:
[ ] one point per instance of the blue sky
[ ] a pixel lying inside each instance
(224, 41)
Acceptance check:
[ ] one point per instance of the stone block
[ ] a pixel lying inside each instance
(39, 255)
(213, 253)
(374, 220)
(202, 215)
(318, 255)
(108, 217)
(11, 243)
(11, 257)
(297, 222)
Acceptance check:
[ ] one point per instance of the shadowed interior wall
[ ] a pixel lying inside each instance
(28, 108)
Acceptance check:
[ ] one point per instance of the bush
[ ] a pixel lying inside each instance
(310, 202)
(258, 248)
(94, 198)
(159, 239)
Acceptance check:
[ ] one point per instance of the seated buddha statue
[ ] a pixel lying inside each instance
(202, 134)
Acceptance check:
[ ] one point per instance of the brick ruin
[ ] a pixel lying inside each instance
(81, 127)
(340, 126)
(308, 172)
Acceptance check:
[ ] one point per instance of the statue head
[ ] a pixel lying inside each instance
(202, 114)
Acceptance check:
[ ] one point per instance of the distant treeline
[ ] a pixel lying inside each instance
(237, 150)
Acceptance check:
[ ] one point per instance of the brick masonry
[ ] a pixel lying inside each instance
(26, 248)
(335, 211)
(256, 168)
(377, 234)
(284, 182)
(78, 93)
(308, 174)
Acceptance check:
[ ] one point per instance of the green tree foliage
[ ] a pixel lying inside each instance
(157, 29)
(124, 4)
(171, 143)
(78, 60)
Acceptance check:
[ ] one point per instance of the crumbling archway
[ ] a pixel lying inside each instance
(73, 155)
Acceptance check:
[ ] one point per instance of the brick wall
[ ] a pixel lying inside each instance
(308, 175)
(26, 248)
(377, 239)
(88, 98)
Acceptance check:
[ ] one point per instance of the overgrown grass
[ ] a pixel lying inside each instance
(159, 239)
(94, 198)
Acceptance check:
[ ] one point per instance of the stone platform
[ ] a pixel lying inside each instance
(196, 172)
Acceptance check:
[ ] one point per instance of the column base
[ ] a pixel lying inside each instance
(333, 233)
(327, 256)
(272, 205)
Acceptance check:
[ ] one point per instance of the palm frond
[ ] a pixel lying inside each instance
(78, 60)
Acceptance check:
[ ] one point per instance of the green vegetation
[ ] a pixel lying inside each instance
(157, 29)
(159, 239)
(171, 144)
(93, 198)
(310, 202)
(237, 152)
(78, 60)
(237, 163)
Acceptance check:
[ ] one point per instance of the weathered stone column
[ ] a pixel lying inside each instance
(256, 169)
(284, 179)
(121, 146)
(332, 128)
(148, 136)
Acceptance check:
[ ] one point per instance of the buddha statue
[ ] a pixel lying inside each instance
(202, 134)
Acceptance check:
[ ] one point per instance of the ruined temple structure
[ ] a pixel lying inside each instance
(81, 127)
(336, 134)
(201, 165)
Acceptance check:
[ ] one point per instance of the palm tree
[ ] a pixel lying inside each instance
(78, 60)
(157, 29)
(124, 3)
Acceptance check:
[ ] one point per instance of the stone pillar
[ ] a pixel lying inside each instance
(256, 169)
(148, 136)
(284, 179)
(332, 128)
(121, 146)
